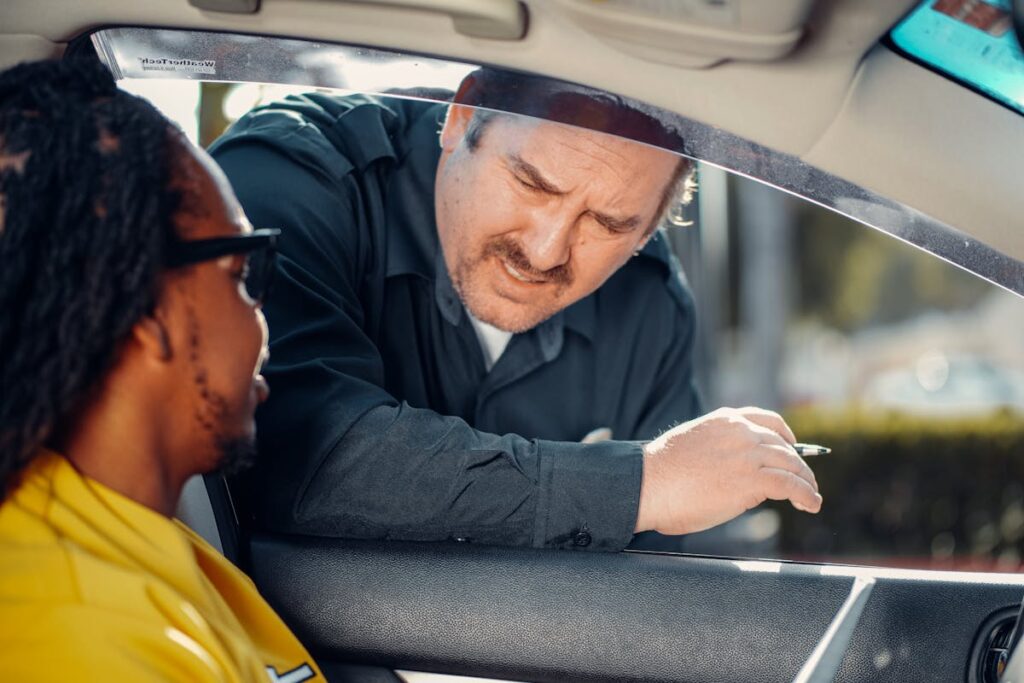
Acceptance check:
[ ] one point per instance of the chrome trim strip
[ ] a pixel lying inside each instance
(422, 677)
(823, 664)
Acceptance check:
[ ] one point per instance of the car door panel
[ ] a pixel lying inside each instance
(533, 615)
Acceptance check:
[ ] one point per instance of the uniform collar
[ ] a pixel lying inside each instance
(448, 301)
(550, 333)
(412, 241)
(581, 317)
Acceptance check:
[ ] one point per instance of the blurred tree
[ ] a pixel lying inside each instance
(853, 276)
(212, 121)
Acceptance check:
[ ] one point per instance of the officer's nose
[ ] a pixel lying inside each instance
(548, 242)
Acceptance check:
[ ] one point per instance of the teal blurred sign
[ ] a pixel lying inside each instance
(972, 41)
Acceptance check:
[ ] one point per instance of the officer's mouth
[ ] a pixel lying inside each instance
(518, 275)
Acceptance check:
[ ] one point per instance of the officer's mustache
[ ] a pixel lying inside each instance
(513, 254)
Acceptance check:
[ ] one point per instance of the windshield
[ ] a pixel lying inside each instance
(815, 298)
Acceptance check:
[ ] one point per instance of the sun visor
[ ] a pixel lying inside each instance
(694, 33)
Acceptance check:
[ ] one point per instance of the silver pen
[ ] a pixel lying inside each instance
(807, 449)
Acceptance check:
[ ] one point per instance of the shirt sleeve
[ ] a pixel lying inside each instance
(342, 457)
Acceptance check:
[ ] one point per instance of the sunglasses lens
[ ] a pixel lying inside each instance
(261, 271)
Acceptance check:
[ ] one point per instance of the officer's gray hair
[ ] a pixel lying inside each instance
(678, 192)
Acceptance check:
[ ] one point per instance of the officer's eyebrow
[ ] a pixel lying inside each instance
(539, 182)
(617, 224)
(534, 175)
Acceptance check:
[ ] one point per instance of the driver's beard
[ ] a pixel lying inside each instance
(235, 455)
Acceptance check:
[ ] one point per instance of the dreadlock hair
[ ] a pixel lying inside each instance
(86, 211)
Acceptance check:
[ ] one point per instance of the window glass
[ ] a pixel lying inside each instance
(908, 367)
(970, 40)
(904, 364)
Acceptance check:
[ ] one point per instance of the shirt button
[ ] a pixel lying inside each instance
(582, 539)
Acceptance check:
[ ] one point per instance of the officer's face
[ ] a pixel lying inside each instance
(539, 214)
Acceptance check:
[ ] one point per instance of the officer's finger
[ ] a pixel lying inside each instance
(766, 436)
(784, 458)
(769, 420)
(782, 485)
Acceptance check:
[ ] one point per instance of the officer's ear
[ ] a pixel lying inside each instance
(455, 126)
(457, 121)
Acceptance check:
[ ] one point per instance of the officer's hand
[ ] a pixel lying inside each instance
(711, 469)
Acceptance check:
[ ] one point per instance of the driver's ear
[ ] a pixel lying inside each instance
(152, 335)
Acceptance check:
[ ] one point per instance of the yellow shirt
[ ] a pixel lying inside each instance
(96, 587)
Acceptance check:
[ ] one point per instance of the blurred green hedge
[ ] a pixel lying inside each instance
(912, 491)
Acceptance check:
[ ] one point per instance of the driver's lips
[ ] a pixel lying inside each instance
(259, 382)
(261, 387)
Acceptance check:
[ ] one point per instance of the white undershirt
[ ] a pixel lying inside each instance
(492, 341)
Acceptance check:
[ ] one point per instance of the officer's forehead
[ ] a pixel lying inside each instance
(539, 135)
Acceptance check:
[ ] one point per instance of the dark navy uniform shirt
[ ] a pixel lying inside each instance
(383, 421)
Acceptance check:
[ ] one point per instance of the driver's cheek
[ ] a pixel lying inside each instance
(250, 339)
(244, 335)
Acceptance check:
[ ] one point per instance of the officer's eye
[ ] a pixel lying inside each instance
(612, 227)
(527, 184)
(613, 230)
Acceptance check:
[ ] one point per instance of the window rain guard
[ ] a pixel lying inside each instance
(210, 56)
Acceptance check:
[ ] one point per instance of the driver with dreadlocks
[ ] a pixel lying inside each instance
(131, 343)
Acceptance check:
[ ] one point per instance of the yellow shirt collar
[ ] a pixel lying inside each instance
(113, 526)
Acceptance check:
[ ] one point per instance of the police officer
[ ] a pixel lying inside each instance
(463, 296)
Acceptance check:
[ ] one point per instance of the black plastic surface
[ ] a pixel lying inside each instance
(225, 518)
(991, 645)
(553, 616)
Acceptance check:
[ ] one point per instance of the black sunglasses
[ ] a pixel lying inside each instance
(259, 245)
